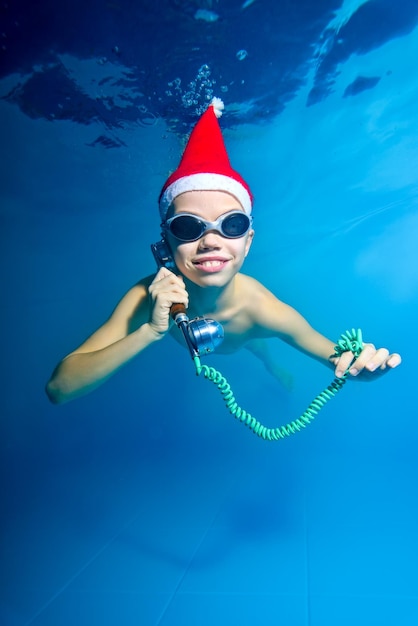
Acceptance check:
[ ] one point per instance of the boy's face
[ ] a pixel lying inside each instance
(212, 260)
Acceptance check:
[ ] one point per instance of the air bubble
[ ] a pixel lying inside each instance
(198, 92)
(241, 55)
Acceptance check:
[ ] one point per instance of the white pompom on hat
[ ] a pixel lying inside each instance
(205, 165)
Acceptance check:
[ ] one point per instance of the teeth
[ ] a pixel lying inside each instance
(211, 263)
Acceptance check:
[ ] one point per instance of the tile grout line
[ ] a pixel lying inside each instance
(184, 573)
(187, 568)
(79, 571)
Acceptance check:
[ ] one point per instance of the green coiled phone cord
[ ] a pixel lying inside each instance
(349, 341)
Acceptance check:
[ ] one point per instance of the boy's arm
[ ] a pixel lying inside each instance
(279, 319)
(141, 318)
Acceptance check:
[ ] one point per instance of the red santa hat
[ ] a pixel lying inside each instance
(205, 165)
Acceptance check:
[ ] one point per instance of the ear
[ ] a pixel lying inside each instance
(249, 240)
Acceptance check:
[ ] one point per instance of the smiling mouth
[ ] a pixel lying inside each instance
(210, 265)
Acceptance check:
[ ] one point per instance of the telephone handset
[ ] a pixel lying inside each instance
(162, 255)
(202, 335)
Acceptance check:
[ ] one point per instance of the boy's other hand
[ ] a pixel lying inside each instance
(371, 360)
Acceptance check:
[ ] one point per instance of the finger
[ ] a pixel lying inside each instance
(163, 272)
(166, 297)
(166, 282)
(378, 360)
(343, 363)
(178, 296)
(382, 359)
(366, 357)
(394, 360)
(169, 290)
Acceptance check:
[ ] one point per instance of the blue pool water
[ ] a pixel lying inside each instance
(145, 502)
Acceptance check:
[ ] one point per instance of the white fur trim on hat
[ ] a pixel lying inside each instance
(205, 182)
(218, 106)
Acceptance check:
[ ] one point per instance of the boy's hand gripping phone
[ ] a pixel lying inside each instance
(202, 335)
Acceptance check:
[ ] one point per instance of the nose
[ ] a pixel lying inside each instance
(210, 239)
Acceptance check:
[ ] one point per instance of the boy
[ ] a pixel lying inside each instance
(205, 208)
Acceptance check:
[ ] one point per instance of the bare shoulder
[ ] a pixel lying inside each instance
(252, 285)
(257, 295)
(270, 315)
(134, 301)
(130, 313)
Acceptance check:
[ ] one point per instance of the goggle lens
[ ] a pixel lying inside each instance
(188, 227)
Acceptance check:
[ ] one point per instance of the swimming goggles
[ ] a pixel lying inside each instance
(189, 227)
